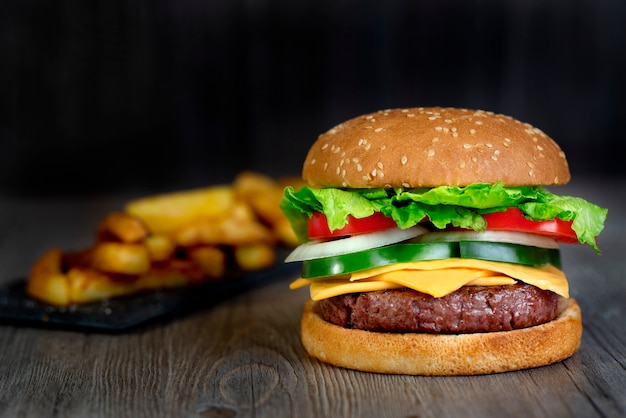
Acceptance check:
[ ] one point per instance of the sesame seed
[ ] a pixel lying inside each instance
(506, 144)
(325, 166)
(495, 158)
(338, 170)
(373, 120)
(344, 184)
(531, 173)
(355, 160)
(378, 129)
(343, 173)
(380, 165)
(404, 159)
(474, 159)
(432, 118)
(478, 122)
(367, 147)
(431, 152)
(489, 145)
(361, 142)
(406, 185)
(467, 146)
(455, 134)
(374, 173)
(556, 179)
(507, 139)
(336, 150)
(539, 147)
(435, 139)
(438, 128)
(472, 131)
(366, 178)
(404, 110)
(530, 165)
(447, 120)
(462, 165)
(496, 152)
(410, 115)
(325, 146)
(359, 168)
(313, 161)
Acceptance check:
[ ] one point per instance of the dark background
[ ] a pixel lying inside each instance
(99, 96)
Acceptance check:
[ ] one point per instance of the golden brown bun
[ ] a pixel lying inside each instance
(443, 355)
(428, 147)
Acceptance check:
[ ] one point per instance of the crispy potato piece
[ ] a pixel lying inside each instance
(226, 232)
(254, 257)
(90, 285)
(211, 260)
(160, 247)
(123, 227)
(263, 194)
(47, 282)
(118, 257)
(167, 212)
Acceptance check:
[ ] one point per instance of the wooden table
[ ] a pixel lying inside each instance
(242, 356)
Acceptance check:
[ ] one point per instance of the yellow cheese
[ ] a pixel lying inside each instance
(439, 277)
(324, 289)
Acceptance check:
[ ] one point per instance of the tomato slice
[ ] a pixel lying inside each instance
(513, 219)
(318, 226)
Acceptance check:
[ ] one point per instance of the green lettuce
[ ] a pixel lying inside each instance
(444, 206)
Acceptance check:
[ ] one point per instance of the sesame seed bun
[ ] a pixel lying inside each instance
(428, 147)
(443, 354)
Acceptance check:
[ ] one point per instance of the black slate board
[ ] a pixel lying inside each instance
(126, 313)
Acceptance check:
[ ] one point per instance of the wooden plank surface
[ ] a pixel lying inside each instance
(242, 357)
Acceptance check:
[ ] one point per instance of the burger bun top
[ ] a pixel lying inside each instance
(429, 147)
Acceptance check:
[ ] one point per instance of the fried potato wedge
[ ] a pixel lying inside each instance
(254, 257)
(166, 212)
(211, 260)
(123, 227)
(226, 232)
(121, 258)
(47, 281)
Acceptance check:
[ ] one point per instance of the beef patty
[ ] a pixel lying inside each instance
(469, 309)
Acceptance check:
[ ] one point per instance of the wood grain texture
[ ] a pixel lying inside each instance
(243, 357)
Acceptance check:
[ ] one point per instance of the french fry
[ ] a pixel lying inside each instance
(211, 260)
(160, 247)
(226, 232)
(123, 227)
(254, 257)
(47, 281)
(121, 258)
(167, 212)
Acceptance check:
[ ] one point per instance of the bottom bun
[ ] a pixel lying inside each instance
(443, 354)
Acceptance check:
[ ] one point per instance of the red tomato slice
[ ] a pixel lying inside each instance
(318, 226)
(513, 219)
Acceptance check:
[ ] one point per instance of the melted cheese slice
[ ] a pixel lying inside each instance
(438, 278)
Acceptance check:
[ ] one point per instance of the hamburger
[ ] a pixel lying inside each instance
(430, 244)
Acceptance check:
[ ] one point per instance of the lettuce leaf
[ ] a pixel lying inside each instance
(443, 206)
